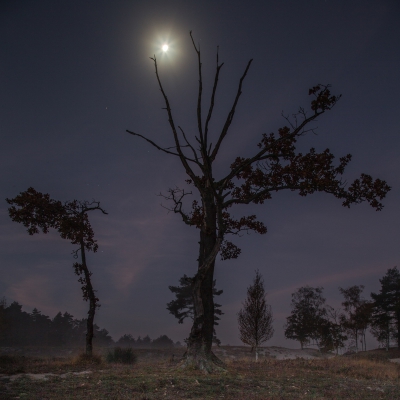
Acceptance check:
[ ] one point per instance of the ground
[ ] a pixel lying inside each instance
(280, 374)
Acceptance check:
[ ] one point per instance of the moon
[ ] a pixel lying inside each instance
(165, 48)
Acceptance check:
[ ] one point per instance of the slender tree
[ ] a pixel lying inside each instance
(274, 166)
(308, 315)
(256, 318)
(182, 306)
(36, 211)
(331, 335)
(386, 308)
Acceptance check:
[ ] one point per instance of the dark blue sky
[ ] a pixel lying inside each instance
(74, 75)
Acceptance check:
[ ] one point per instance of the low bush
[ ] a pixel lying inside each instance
(121, 355)
(85, 359)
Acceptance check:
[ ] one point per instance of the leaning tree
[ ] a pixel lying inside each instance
(36, 211)
(274, 166)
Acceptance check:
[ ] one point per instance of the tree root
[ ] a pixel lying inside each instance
(206, 362)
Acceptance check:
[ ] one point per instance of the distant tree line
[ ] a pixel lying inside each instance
(20, 328)
(312, 322)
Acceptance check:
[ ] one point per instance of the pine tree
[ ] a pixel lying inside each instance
(255, 319)
(386, 308)
(182, 306)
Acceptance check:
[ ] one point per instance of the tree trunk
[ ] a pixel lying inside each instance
(199, 354)
(89, 292)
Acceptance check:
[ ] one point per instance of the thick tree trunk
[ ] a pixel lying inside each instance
(89, 292)
(199, 353)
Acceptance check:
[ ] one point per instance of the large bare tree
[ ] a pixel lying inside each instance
(274, 166)
(36, 211)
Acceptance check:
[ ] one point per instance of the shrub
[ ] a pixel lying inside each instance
(86, 359)
(121, 355)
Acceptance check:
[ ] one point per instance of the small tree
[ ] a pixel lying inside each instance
(182, 307)
(255, 319)
(36, 211)
(307, 317)
(357, 315)
(331, 335)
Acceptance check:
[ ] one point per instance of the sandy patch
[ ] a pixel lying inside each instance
(42, 377)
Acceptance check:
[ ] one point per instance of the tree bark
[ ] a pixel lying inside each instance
(199, 354)
(88, 290)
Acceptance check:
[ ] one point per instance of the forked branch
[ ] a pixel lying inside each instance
(182, 157)
(176, 196)
(199, 124)
(230, 115)
(210, 111)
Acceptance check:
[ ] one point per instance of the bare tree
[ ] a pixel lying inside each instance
(36, 211)
(255, 319)
(275, 166)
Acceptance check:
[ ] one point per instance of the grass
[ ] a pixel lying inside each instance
(367, 375)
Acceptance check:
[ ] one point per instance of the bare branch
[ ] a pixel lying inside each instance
(230, 115)
(183, 158)
(166, 149)
(176, 196)
(199, 124)
(210, 111)
(153, 144)
(191, 147)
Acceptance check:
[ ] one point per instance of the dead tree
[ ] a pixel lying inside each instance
(274, 167)
(36, 211)
(255, 319)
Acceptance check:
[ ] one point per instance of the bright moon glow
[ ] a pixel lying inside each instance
(165, 47)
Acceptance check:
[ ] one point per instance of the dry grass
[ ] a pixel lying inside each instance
(85, 360)
(156, 376)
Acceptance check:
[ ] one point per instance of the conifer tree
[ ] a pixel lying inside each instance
(182, 307)
(386, 308)
(255, 319)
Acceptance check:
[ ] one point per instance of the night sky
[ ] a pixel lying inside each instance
(75, 75)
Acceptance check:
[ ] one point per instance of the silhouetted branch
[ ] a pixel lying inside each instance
(210, 111)
(183, 158)
(176, 196)
(199, 124)
(230, 115)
